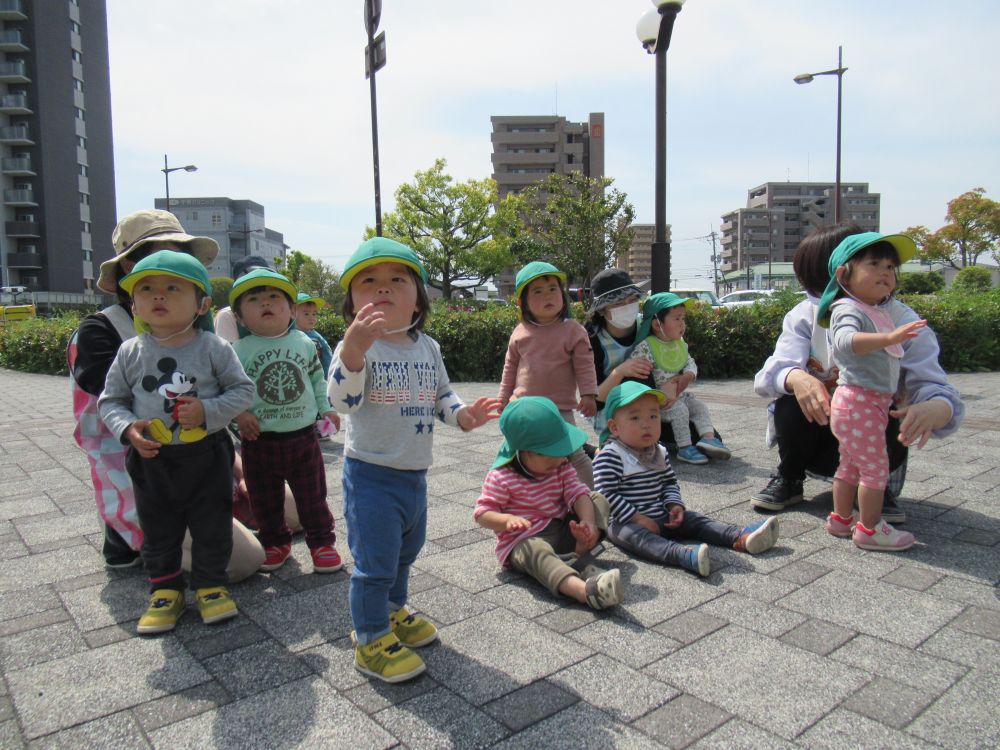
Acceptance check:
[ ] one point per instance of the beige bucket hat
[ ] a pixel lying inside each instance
(151, 225)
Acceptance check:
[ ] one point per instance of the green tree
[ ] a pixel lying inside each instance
(920, 283)
(460, 231)
(972, 279)
(220, 291)
(315, 277)
(973, 228)
(579, 223)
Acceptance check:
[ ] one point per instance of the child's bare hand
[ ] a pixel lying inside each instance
(479, 412)
(585, 534)
(516, 523)
(587, 406)
(646, 522)
(334, 418)
(249, 426)
(191, 412)
(681, 382)
(368, 325)
(143, 445)
(906, 332)
(675, 516)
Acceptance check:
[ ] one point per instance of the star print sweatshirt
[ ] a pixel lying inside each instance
(391, 405)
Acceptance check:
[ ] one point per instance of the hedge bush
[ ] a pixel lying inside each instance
(728, 342)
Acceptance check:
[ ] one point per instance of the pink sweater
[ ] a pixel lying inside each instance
(553, 361)
(537, 500)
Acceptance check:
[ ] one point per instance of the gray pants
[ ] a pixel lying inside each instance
(538, 555)
(687, 409)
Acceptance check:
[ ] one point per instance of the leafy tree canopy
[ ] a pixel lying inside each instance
(315, 277)
(460, 231)
(578, 223)
(973, 228)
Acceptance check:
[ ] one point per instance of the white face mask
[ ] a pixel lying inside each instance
(624, 316)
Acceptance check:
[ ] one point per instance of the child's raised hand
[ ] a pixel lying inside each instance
(479, 412)
(906, 332)
(675, 516)
(191, 412)
(143, 445)
(368, 325)
(587, 406)
(249, 426)
(586, 536)
(516, 523)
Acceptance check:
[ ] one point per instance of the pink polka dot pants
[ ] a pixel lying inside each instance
(858, 418)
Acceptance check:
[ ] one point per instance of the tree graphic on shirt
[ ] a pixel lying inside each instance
(280, 383)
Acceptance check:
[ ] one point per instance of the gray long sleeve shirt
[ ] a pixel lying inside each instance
(878, 370)
(146, 379)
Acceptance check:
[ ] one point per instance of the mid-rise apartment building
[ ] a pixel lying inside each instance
(779, 214)
(237, 225)
(56, 157)
(637, 261)
(529, 148)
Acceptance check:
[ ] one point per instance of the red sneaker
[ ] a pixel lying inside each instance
(274, 557)
(326, 560)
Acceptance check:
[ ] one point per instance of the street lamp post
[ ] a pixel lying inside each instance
(374, 60)
(839, 72)
(654, 29)
(166, 175)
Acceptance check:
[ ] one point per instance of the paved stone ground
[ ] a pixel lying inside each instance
(813, 644)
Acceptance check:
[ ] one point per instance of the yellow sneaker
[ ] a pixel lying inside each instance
(215, 604)
(159, 432)
(387, 659)
(165, 608)
(412, 631)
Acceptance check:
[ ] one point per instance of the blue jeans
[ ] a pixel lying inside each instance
(637, 539)
(386, 513)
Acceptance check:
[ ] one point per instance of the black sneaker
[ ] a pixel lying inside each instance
(779, 494)
(891, 512)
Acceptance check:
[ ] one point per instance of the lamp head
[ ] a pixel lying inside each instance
(190, 168)
(647, 28)
(803, 78)
(658, 4)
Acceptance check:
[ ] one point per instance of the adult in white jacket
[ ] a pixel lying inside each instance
(799, 377)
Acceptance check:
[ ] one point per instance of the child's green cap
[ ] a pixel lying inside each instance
(306, 297)
(169, 263)
(533, 423)
(261, 277)
(850, 246)
(532, 271)
(623, 395)
(380, 250)
(657, 303)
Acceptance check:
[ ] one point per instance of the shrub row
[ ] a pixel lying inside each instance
(730, 342)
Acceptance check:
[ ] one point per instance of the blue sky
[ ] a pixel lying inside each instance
(270, 101)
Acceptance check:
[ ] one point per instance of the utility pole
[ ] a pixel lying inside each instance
(747, 251)
(770, 248)
(715, 260)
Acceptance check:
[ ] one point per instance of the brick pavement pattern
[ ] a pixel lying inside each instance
(814, 644)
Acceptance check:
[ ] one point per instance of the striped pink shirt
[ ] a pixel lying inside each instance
(538, 501)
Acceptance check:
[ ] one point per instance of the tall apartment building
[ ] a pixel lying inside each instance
(57, 164)
(527, 149)
(637, 261)
(237, 225)
(779, 214)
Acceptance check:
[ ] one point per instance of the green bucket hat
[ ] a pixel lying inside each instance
(533, 423)
(304, 297)
(625, 394)
(177, 265)
(261, 277)
(380, 250)
(850, 246)
(532, 271)
(657, 303)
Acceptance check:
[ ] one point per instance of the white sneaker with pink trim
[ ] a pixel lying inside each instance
(884, 538)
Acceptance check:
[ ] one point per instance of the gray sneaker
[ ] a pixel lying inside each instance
(779, 494)
(891, 512)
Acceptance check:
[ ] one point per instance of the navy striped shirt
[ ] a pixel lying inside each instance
(631, 487)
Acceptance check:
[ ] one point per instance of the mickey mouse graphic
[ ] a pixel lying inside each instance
(172, 385)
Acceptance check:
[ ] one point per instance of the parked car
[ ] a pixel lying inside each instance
(746, 297)
(702, 295)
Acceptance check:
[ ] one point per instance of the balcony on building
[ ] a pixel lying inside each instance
(22, 229)
(14, 104)
(12, 10)
(17, 166)
(24, 260)
(533, 138)
(16, 135)
(14, 72)
(19, 197)
(10, 41)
